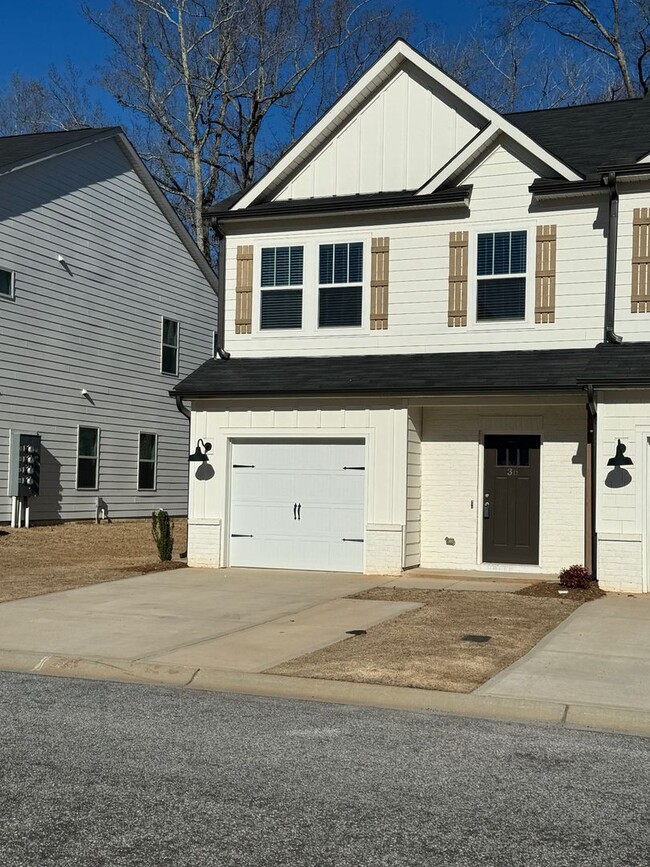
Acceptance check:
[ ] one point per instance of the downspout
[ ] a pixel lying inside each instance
(591, 467)
(221, 273)
(612, 245)
(180, 406)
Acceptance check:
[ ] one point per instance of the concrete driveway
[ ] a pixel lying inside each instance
(240, 619)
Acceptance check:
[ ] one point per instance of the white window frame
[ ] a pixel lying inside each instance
(345, 285)
(472, 278)
(12, 284)
(86, 457)
(164, 319)
(311, 285)
(154, 462)
(258, 284)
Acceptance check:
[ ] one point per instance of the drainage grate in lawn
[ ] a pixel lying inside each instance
(478, 639)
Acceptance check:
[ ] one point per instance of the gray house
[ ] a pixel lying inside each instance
(105, 304)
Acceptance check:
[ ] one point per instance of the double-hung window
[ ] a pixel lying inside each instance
(147, 454)
(169, 349)
(340, 284)
(88, 458)
(501, 276)
(6, 284)
(282, 282)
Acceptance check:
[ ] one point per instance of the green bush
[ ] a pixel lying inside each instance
(161, 528)
(576, 576)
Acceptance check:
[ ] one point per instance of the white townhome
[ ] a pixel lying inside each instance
(105, 303)
(424, 303)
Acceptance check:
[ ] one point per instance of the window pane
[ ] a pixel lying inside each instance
(5, 283)
(170, 332)
(517, 252)
(268, 266)
(501, 456)
(169, 359)
(326, 263)
(339, 305)
(281, 266)
(88, 442)
(146, 476)
(501, 253)
(485, 254)
(295, 267)
(356, 263)
(524, 456)
(87, 473)
(147, 447)
(281, 308)
(340, 263)
(501, 299)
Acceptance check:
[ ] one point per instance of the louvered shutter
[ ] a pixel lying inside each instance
(641, 261)
(458, 265)
(244, 290)
(379, 284)
(545, 274)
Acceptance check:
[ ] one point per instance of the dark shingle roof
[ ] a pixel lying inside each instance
(426, 373)
(588, 137)
(19, 148)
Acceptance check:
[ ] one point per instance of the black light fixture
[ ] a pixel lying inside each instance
(619, 459)
(198, 455)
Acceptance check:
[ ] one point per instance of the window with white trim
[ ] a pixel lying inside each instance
(87, 458)
(282, 284)
(147, 457)
(501, 276)
(169, 347)
(340, 284)
(6, 283)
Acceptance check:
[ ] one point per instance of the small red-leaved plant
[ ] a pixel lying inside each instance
(576, 576)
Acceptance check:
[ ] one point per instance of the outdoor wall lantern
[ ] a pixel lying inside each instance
(619, 459)
(198, 455)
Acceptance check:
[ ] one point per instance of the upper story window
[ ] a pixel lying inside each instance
(169, 348)
(88, 458)
(340, 282)
(501, 276)
(282, 282)
(6, 284)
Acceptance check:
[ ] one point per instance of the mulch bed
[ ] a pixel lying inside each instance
(551, 590)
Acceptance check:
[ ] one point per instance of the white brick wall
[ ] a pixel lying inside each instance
(384, 549)
(452, 458)
(620, 565)
(204, 542)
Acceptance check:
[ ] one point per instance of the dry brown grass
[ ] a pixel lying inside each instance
(63, 556)
(424, 648)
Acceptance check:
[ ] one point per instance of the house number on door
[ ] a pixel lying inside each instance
(512, 471)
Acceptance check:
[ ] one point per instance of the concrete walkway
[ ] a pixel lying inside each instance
(240, 619)
(598, 655)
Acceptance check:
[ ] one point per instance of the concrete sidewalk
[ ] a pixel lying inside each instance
(600, 654)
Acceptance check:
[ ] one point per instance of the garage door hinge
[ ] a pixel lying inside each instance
(242, 535)
(354, 468)
(351, 540)
(243, 466)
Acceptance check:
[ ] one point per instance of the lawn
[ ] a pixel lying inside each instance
(46, 559)
(425, 647)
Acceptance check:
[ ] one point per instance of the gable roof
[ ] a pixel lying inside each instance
(17, 152)
(399, 53)
(593, 136)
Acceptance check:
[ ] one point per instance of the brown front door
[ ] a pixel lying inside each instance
(511, 499)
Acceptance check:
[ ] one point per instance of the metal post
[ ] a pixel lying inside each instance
(27, 513)
(20, 512)
(14, 511)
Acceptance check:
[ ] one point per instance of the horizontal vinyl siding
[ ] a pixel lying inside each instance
(95, 325)
(413, 489)
(419, 272)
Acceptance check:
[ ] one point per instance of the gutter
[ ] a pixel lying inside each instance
(180, 406)
(610, 335)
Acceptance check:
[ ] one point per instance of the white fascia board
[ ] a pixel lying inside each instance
(464, 157)
(644, 159)
(400, 51)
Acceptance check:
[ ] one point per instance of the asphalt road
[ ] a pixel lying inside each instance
(111, 774)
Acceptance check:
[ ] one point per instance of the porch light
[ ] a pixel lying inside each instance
(619, 459)
(198, 455)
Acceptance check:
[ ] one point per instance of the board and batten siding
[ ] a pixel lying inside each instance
(395, 142)
(419, 273)
(95, 323)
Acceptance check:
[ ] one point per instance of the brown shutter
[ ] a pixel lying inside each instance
(545, 275)
(379, 284)
(641, 261)
(458, 263)
(244, 290)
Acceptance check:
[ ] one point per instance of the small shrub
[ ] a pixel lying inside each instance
(576, 576)
(161, 528)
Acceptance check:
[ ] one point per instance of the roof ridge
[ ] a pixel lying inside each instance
(576, 105)
(59, 131)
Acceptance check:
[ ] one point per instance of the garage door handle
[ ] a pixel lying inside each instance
(295, 510)
(351, 540)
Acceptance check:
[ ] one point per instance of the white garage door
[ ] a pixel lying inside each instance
(298, 505)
